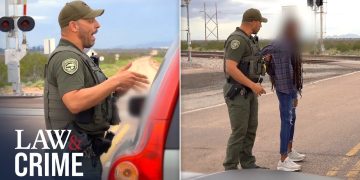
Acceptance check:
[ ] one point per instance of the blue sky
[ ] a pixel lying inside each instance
(125, 23)
(339, 18)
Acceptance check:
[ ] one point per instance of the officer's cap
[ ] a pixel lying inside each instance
(76, 10)
(253, 15)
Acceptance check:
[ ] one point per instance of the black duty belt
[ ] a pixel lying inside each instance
(232, 81)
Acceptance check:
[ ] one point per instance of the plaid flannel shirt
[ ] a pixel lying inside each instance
(281, 64)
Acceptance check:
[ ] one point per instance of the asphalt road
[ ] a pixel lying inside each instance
(327, 128)
(18, 114)
(202, 80)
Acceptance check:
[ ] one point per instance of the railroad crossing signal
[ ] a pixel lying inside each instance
(310, 3)
(10, 24)
(318, 3)
(6, 24)
(24, 23)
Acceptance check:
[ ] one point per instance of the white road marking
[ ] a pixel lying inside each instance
(311, 83)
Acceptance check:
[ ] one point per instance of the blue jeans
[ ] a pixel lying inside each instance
(288, 117)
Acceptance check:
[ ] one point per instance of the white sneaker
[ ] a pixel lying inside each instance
(293, 150)
(295, 156)
(294, 164)
(288, 165)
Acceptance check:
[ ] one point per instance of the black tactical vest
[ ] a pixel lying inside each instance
(96, 120)
(252, 66)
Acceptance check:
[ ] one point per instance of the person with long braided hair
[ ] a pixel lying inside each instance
(285, 71)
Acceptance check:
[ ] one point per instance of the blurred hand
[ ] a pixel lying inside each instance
(127, 79)
(121, 91)
(258, 89)
(295, 103)
(268, 57)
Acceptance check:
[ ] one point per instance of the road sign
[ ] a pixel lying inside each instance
(49, 45)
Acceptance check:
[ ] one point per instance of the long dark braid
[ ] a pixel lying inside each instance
(298, 70)
(296, 58)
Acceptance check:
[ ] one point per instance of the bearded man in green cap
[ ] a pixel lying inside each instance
(242, 66)
(77, 95)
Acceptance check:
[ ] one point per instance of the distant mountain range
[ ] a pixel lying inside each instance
(344, 36)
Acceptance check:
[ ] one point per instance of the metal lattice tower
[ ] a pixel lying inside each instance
(211, 19)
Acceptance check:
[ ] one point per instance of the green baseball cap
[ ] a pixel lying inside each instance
(253, 15)
(76, 10)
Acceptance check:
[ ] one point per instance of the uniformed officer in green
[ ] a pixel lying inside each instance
(242, 68)
(77, 94)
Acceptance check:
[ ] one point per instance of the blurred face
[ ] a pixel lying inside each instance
(87, 28)
(256, 25)
(295, 31)
(291, 30)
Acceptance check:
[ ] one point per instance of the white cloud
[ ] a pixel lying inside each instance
(48, 2)
(39, 18)
(339, 19)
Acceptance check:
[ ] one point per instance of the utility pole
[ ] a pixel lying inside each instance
(7, 14)
(318, 8)
(188, 37)
(188, 30)
(315, 30)
(322, 48)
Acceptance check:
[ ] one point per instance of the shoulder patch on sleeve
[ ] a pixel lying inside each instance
(70, 65)
(235, 44)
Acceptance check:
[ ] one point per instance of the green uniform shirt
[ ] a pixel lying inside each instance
(67, 71)
(72, 79)
(237, 47)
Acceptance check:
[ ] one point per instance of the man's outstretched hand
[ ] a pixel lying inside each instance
(127, 79)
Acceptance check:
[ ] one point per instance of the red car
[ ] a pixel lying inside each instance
(150, 150)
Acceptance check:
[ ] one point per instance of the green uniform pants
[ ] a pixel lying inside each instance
(243, 114)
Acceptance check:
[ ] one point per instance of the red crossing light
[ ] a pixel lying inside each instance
(6, 24)
(26, 23)
(319, 3)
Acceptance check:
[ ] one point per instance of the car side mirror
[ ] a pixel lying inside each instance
(136, 105)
